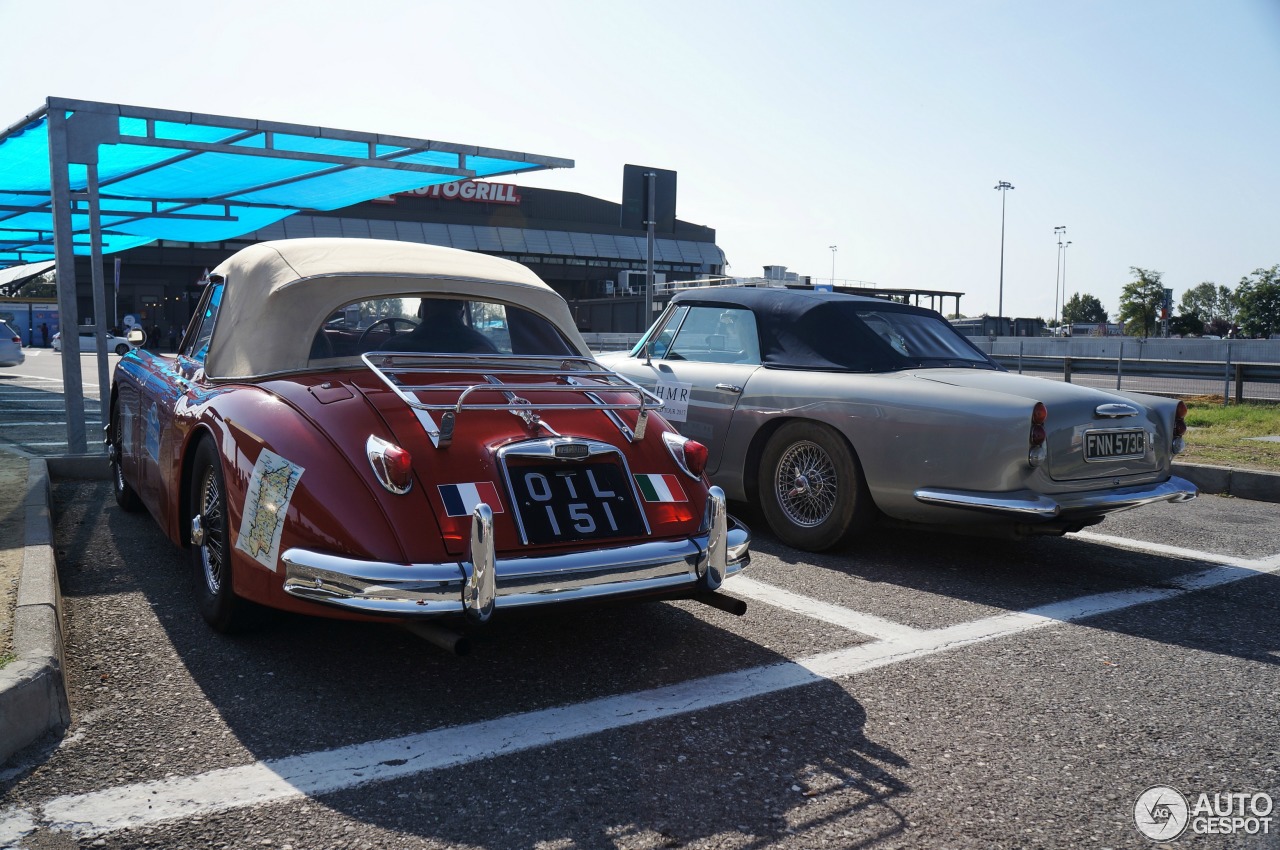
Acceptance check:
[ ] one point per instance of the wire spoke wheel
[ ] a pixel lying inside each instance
(806, 484)
(212, 548)
(210, 555)
(811, 487)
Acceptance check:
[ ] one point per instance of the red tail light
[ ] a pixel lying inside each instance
(1180, 420)
(17, 339)
(695, 457)
(1037, 436)
(689, 454)
(392, 465)
(1039, 415)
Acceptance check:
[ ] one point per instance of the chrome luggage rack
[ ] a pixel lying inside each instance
(555, 375)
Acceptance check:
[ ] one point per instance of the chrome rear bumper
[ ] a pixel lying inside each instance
(483, 582)
(1029, 506)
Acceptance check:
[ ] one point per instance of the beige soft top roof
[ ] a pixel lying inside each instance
(277, 294)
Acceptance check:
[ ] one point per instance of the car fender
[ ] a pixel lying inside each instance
(331, 504)
(906, 433)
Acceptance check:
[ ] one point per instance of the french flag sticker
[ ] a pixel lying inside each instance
(661, 488)
(461, 499)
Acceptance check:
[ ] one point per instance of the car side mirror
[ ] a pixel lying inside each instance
(136, 336)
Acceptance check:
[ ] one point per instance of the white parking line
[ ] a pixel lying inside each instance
(99, 812)
(846, 618)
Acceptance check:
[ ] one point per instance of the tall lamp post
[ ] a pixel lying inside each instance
(833, 265)
(1065, 246)
(1004, 186)
(1057, 274)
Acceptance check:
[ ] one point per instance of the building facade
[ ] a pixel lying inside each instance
(576, 243)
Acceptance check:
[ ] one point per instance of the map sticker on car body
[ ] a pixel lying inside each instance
(266, 502)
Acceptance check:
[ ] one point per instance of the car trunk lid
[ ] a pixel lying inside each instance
(1091, 434)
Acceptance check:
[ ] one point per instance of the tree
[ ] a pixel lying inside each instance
(1210, 303)
(1259, 300)
(1140, 302)
(1083, 308)
(1187, 324)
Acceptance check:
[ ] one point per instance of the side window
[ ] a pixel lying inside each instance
(659, 337)
(198, 347)
(717, 335)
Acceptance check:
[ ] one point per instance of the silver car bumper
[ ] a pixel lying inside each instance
(483, 582)
(1029, 506)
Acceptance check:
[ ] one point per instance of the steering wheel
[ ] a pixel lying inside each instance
(391, 322)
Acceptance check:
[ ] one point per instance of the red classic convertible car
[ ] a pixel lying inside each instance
(386, 430)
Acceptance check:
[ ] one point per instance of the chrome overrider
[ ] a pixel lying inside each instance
(1030, 506)
(483, 582)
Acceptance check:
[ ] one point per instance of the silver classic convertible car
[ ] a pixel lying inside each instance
(828, 410)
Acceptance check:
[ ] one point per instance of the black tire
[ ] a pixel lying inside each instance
(812, 491)
(210, 551)
(122, 349)
(126, 496)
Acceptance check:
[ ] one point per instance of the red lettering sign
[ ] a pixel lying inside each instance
(461, 190)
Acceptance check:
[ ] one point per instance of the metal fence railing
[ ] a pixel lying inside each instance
(1233, 369)
(1239, 369)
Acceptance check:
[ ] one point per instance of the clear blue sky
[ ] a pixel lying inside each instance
(1151, 128)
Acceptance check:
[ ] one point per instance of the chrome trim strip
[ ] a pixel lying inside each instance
(1027, 505)
(672, 567)
(1115, 410)
(1023, 504)
(711, 570)
(479, 591)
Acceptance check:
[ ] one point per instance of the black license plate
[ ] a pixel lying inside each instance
(574, 501)
(1114, 445)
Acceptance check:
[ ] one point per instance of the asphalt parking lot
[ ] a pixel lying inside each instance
(915, 691)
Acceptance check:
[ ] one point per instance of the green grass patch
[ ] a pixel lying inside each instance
(1220, 435)
(7, 658)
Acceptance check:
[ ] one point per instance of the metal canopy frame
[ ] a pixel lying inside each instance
(77, 198)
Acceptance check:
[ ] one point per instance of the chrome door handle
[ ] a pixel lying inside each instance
(729, 388)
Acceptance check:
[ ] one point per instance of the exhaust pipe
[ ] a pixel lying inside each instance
(449, 641)
(728, 604)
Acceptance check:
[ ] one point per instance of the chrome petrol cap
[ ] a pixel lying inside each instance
(1115, 410)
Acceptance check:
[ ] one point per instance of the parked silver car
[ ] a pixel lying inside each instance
(10, 346)
(828, 410)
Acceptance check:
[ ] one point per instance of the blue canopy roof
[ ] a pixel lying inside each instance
(204, 178)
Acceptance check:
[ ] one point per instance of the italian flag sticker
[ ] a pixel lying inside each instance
(461, 499)
(661, 488)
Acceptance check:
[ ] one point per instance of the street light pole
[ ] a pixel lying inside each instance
(1004, 186)
(1057, 274)
(833, 265)
(1065, 246)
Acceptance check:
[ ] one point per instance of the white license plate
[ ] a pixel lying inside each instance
(1114, 445)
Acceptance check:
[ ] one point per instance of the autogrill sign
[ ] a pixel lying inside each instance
(462, 190)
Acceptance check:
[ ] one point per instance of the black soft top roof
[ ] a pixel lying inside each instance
(804, 329)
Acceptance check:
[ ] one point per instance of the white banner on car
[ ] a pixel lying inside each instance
(675, 399)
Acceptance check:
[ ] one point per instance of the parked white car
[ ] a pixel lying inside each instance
(10, 346)
(88, 344)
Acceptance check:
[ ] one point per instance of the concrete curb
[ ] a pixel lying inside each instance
(33, 689)
(1227, 481)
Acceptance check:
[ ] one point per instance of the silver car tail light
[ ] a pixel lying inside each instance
(1037, 452)
(1179, 428)
(392, 465)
